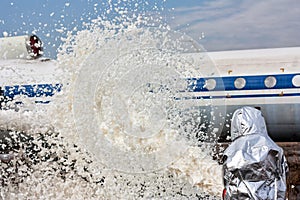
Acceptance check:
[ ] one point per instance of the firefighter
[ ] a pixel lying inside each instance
(254, 165)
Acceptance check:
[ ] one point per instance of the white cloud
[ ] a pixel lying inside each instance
(242, 24)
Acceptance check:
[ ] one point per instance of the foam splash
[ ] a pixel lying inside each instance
(121, 134)
(200, 170)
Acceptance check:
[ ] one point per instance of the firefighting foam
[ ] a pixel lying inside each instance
(117, 128)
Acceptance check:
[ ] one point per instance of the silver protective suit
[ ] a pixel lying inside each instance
(254, 166)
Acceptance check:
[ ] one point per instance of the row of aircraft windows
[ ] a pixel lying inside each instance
(240, 83)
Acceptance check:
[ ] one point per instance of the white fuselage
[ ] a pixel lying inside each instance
(268, 79)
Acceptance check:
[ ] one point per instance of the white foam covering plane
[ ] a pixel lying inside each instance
(268, 79)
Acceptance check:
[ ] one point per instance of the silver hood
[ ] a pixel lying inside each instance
(254, 166)
(246, 121)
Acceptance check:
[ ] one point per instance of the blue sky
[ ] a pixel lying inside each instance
(225, 24)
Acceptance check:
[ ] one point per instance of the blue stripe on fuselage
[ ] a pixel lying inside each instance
(283, 81)
(35, 90)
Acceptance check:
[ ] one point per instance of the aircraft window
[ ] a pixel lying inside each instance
(239, 83)
(210, 84)
(296, 81)
(270, 81)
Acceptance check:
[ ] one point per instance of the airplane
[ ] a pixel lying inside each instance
(24, 71)
(268, 79)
